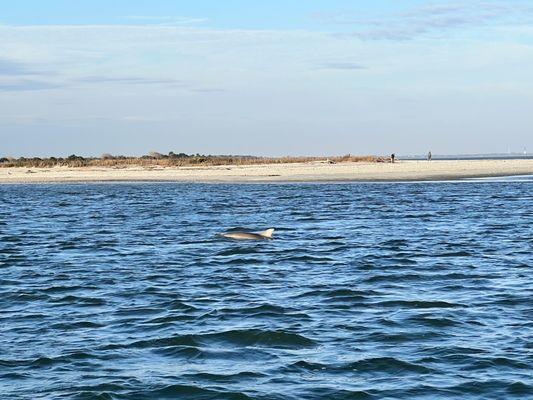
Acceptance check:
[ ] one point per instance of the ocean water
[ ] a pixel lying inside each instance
(369, 291)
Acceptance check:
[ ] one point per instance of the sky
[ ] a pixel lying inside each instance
(271, 78)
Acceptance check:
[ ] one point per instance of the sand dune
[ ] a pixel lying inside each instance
(301, 172)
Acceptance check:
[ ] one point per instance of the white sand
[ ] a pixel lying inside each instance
(300, 172)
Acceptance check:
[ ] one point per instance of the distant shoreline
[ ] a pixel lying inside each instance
(467, 158)
(437, 170)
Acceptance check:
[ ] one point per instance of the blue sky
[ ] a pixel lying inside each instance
(274, 14)
(266, 78)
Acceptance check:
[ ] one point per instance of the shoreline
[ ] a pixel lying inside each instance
(401, 171)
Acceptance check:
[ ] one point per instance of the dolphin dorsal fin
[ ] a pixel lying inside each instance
(268, 233)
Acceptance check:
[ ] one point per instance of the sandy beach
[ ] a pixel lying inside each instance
(297, 172)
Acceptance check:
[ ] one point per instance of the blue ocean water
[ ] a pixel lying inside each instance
(369, 291)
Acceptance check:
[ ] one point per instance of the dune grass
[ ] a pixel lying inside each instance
(171, 160)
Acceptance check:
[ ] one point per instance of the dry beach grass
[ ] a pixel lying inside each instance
(155, 159)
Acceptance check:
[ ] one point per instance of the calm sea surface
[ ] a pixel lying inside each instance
(369, 291)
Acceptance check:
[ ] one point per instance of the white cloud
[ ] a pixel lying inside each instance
(435, 19)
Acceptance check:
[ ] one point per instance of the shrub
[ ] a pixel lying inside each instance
(155, 155)
(172, 159)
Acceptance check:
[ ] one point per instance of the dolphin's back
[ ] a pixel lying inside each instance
(242, 236)
(248, 235)
(268, 233)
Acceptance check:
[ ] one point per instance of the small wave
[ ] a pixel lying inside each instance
(239, 251)
(238, 338)
(395, 243)
(334, 393)
(242, 261)
(403, 337)
(418, 304)
(497, 362)
(520, 389)
(79, 300)
(169, 320)
(308, 259)
(263, 311)
(261, 338)
(187, 392)
(341, 294)
(11, 239)
(237, 355)
(69, 245)
(102, 391)
(454, 254)
(463, 276)
(44, 361)
(432, 321)
(181, 340)
(226, 378)
(389, 278)
(29, 317)
(179, 305)
(188, 352)
(94, 396)
(65, 326)
(27, 297)
(453, 351)
(513, 300)
(137, 311)
(388, 365)
(63, 289)
(494, 388)
(402, 259)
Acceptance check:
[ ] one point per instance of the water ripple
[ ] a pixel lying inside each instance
(369, 291)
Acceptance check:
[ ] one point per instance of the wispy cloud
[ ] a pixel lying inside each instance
(344, 66)
(209, 90)
(24, 85)
(434, 19)
(17, 76)
(130, 80)
(137, 80)
(13, 80)
(164, 20)
(12, 68)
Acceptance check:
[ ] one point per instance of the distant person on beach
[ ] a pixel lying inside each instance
(392, 158)
(429, 156)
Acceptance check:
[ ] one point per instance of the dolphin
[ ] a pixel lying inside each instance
(265, 235)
